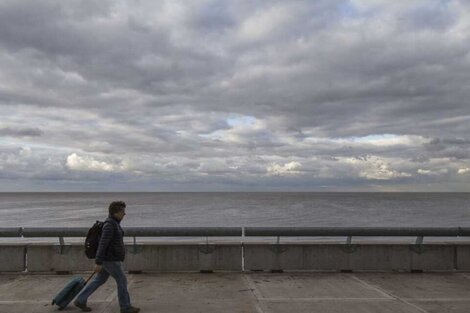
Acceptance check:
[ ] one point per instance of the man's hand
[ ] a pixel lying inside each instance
(97, 268)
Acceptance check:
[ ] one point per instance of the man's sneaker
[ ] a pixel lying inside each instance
(131, 310)
(82, 306)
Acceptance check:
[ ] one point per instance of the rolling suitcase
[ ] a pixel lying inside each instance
(68, 293)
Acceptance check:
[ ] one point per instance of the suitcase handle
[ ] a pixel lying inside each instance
(89, 277)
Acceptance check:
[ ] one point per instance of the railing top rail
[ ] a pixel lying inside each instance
(10, 231)
(136, 231)
(357, 231)
(237, 231)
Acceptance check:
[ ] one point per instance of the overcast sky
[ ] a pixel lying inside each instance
(235, 95)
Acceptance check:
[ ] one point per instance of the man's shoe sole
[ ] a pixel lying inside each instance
(87, 309)
(138, 310)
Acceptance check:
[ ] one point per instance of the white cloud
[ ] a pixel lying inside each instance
(263, 23)
(379, 140)
(432, 172)
(375, 167)
(389, 140)
(25, 151)
(290, 168)
(87, 163)
(240, 129)
(463, 170)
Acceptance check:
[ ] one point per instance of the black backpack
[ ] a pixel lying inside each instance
(93, 239)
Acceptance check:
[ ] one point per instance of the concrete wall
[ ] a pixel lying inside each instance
(12, 258)
(143, 257)
(462, 258)
(46, 257)
(184, 257)
(357, 257)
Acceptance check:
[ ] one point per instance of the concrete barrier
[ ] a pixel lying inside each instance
(433, 257)
(357, 257)
(207, 257)
(142, 257)
(12, 258)
(44, 257)
(184, 257)
(294, 257)
(462, 257)
(380, 257)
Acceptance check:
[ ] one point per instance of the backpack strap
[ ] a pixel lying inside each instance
(107, 221)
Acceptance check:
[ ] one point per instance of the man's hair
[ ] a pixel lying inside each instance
(116, 206)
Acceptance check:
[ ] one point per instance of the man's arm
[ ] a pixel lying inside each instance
(106, 236)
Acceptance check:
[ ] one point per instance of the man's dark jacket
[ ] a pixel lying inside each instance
(111, 246)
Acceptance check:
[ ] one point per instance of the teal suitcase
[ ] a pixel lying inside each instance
(68, 293)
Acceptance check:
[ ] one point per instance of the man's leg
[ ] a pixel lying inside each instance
(99, 280)
(116, 270)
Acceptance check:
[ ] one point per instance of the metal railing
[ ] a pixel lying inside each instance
(349, 232)
(358, 231)
(245, 232)
(419, 232)
(239, 231)
(62, 232)
(30, 232)
(134, 231)
(10, 231)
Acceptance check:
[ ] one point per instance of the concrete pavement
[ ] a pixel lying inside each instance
(257, 292)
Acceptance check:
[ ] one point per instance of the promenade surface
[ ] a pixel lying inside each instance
(258, 292)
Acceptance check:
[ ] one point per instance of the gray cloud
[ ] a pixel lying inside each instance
(235, 95)
(20, 132)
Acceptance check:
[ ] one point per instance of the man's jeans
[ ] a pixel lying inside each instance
(115, 269)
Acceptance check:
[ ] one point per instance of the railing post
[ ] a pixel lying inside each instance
(243, 248)
(62, 249)
(134, 245)
(418, 246)
(349, 247)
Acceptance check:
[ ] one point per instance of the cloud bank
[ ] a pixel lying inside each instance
(234, 95)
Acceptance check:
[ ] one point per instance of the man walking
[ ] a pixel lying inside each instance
(108, 261)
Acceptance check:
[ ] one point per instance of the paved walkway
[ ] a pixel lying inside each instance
(255, 292)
